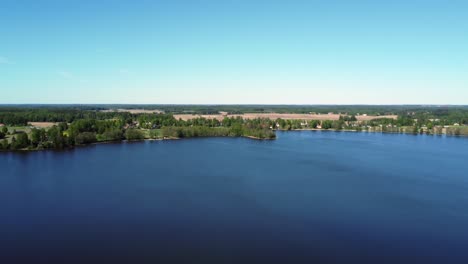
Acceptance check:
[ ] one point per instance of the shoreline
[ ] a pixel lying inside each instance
(248, 137)
(126, 141)
(367, 131)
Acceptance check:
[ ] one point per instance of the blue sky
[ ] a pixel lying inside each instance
(227, 52)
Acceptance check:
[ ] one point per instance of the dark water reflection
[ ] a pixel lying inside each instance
(307, 197)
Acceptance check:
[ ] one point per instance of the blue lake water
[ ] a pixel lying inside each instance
(306, 197)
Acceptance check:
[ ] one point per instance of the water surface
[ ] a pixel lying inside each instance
(307, 197)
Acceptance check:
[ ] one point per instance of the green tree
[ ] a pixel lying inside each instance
(4, 145)
(313, 123)
(20, 141)
(85, 138)
(63, 126)
(111, 134)
(327, 124)
(155, 133)
(236, 130)
(37, 136)
(56, 139)
(338, 124)
(134, 134)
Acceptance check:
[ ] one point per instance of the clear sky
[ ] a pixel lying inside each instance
(239, 51)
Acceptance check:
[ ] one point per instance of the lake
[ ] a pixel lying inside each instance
(306, 197)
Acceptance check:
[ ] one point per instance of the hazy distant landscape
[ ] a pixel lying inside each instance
(62, 127)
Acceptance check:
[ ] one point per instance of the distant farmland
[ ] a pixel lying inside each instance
(134, 111)
(274, 116)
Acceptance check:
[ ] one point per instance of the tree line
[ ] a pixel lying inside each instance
(88, 131)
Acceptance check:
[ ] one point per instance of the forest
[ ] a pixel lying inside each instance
(120, 127)
(74, 125)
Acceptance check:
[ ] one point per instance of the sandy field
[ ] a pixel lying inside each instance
(42, 124)
(366, 118)
(274, 116)
(135, 111)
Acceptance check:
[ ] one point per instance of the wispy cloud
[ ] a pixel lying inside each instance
(71, 76)
(124, 71)
(4, 60)
(66, 74)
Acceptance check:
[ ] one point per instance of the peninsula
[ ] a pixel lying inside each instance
(38, 127)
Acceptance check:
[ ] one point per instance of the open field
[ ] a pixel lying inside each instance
(15, 129)
(12, 129)
(134, 111)
(370, 117)
(42, 124)
(274, 116)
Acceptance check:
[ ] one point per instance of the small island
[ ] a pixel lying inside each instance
(29, 128)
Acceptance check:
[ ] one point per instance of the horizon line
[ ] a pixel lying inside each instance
(231, 104)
